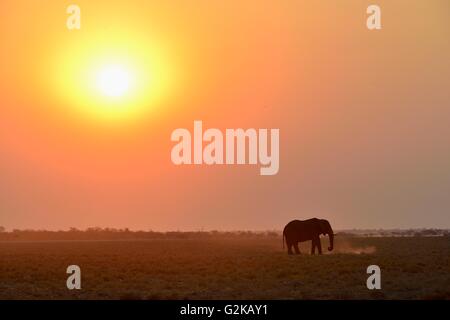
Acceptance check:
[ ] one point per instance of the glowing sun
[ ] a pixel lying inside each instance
(114, 81)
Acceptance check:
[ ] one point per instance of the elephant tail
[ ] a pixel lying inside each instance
(283, 239)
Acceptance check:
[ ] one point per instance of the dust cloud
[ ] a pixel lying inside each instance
(344, 246)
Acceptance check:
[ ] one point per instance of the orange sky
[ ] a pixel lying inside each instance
(363, 115)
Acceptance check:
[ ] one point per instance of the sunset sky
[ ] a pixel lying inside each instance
(364, 116)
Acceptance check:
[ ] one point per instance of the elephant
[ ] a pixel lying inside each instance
(299, 231)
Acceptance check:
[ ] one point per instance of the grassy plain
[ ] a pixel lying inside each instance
(226, 268)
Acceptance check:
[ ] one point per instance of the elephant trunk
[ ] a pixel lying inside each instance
(331, 236)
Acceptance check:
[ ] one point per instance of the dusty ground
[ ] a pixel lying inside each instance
(412, 268)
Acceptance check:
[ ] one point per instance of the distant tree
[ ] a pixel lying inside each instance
(2, 229)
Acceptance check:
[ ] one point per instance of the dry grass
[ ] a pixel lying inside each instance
(412, 268)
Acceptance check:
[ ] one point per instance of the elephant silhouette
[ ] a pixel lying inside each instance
(299, 231)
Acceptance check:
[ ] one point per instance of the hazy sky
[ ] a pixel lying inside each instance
(364, 116)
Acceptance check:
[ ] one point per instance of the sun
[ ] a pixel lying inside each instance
(120, 80)
(114, 81)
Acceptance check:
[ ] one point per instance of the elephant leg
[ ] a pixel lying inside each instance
(297, 250)
(289, 246)
(319, 245)
(313, 247)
